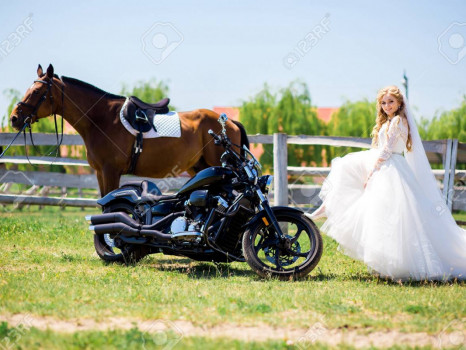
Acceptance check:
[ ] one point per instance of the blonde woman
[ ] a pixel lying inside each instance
(383, 206)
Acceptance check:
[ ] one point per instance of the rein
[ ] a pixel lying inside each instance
(32, 118)
(19, 132)
(55, 121)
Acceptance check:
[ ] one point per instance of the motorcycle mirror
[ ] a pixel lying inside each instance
(222, 120)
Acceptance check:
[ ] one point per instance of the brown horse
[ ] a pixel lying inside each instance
(95, 116)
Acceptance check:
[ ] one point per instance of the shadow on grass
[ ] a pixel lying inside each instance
(199, 269)
(377, 280)
(209, 270)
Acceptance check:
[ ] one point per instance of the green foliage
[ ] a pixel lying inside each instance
(44, 125)
(149, 91)
(352, 119)
(449, 125)
(14, 96)
(290, 111)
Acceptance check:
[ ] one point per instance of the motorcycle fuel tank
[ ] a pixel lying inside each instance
(206, 177)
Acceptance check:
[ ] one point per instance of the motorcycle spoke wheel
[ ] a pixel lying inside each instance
(271, 254)
(297, 256)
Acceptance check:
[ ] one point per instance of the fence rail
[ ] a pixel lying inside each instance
(42, 178)
(446, 152)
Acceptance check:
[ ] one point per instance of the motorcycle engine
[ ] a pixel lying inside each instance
(183, 224)
(188, 227)
(178, 225)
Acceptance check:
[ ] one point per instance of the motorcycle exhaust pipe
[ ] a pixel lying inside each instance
(120, 228)
(110, 218)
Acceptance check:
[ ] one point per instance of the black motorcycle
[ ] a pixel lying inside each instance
(221, 214)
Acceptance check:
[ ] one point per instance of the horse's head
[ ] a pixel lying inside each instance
(39, 101)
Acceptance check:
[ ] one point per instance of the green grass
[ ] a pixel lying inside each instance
(460, 216)
(134, 339)
(48, 267)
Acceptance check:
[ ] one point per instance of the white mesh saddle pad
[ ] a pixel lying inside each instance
(167, 125)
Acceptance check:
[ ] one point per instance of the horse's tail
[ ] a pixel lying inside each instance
(244, 136)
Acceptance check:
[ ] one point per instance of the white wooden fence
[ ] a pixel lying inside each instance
(446, 152)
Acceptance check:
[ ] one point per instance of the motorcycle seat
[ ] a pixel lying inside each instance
(151, 194)
(150, 198)
(144, 186)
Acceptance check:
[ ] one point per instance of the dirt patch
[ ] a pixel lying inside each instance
(454, 335)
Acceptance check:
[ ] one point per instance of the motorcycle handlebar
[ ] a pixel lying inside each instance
(214, 135)
(220, 139)
(225, 142)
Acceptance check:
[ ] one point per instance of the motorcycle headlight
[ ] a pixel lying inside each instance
(269, 183)
(266, 183)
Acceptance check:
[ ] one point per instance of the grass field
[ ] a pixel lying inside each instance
(51, 277)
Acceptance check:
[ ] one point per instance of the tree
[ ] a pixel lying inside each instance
(289, 111)
(148, 91)
(423, 128)
(14, 96)
(256, 115)
(352, 119)
(449, 125)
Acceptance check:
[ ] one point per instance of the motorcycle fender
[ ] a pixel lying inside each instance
(128, 194)
(276, 210)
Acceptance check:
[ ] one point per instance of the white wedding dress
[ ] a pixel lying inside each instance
(391, 225)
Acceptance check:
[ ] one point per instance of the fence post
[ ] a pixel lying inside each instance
(446, 157)
(451, 179)
(280, 163)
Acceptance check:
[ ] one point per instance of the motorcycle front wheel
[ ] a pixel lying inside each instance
(269, 257)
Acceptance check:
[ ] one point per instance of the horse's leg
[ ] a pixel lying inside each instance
(200, 165)
(191, 172)
(100, 180)
(111, 180)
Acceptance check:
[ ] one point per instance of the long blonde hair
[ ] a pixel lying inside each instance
(382, 117)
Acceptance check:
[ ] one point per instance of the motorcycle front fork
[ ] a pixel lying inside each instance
(270, 215)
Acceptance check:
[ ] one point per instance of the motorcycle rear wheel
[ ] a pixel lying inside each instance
(265, 255)
(104, 243)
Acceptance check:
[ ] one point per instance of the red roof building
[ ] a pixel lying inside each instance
(231, 112)
(325, 113)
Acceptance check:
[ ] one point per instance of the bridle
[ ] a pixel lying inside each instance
(32, 118)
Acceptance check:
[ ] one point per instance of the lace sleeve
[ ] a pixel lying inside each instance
(396, 129)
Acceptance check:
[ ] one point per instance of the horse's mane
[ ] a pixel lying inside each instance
(89, 87)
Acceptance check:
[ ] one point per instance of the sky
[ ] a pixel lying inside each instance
(220, 53)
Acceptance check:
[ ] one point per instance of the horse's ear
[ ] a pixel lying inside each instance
(40, 72)
(50, 72)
